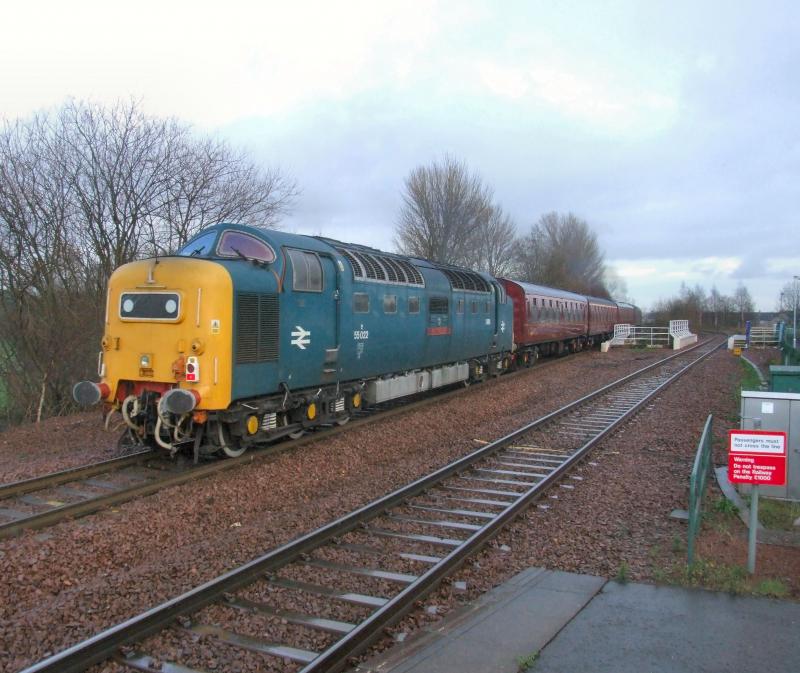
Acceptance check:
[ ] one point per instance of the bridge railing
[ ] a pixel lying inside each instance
(676, 335)
(634, 335)
(765, 337)
(681, 334)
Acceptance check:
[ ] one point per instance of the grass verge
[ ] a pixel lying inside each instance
(750, 380)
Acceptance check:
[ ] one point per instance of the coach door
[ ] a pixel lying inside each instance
(499, 325)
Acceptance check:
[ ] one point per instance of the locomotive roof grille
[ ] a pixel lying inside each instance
(466, 280)
(358, 270)
(381, 268)
(373, 270)
(414, 277)
(394, 272)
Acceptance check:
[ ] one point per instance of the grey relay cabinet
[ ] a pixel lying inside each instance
(780, 412)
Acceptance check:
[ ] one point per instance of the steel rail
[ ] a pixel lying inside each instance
(50, 517)
(336, 656)
(106, 644)
(72, 474)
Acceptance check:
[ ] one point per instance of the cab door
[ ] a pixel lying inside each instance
(309, 324)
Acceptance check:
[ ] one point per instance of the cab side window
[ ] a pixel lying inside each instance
(306, 270)
(360, 302)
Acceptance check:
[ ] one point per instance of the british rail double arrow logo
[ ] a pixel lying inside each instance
(302, 338)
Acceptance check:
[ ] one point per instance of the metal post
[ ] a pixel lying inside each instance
(753, 532)
(794, 302)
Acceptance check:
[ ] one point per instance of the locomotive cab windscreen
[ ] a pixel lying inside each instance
(231, 244)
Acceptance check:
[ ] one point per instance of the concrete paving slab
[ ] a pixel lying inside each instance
(639, 628)
(488, 636)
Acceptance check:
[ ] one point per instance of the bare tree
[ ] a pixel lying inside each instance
(495, 241)
(713, 309)
(716, 304)
(444, 207)
(218, 184)
(689, 305)
(562, 251)
(743, 302)
(530, 257)
(789, 296)
(83, 190)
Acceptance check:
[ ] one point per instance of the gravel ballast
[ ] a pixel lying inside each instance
(63, 585)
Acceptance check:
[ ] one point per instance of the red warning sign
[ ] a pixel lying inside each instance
(757, 457)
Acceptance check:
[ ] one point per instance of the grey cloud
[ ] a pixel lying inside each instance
(722, 181)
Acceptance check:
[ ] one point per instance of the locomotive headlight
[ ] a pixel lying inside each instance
(145, 360)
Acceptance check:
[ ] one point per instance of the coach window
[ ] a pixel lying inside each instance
(307, 271)
(486, 307)
(360, 302)
(460, 306)
(413, 304)
(390, 303)
(474, 306)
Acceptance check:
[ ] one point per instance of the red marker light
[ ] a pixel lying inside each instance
(192, 369)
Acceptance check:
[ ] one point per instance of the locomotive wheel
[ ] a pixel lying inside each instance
(230, 447)
(297, 434)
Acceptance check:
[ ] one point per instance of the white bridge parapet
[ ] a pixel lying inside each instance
(676, 335)
(765, 336)
(633, 335)
(680, 333)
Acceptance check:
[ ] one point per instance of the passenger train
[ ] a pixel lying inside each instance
(247, 335)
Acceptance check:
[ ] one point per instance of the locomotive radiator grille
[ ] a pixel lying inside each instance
(257, 330)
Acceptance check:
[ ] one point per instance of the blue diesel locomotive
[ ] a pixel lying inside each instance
(248, 335)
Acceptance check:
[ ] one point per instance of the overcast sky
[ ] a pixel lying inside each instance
(672, 127)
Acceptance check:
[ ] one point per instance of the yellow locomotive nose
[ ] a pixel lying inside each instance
(168, 326)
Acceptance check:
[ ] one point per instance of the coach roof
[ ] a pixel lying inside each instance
(550, 292)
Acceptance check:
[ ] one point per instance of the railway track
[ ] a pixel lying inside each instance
(37, 503)
(315, 602)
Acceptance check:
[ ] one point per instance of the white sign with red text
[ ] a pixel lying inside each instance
(757, 457)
